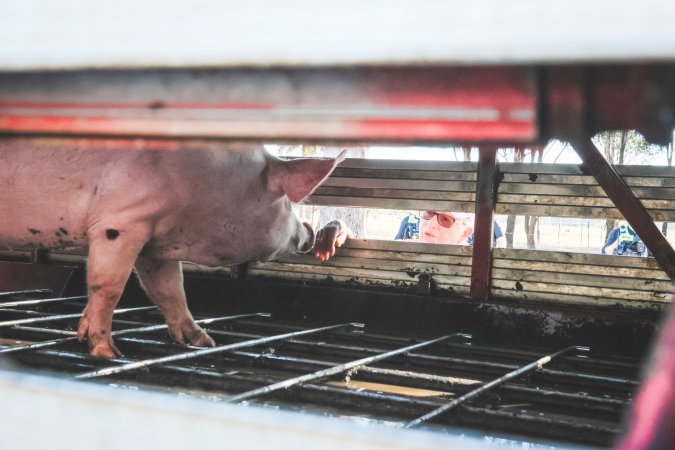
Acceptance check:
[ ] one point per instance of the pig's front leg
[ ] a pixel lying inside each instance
(163, 281)
(112, 252)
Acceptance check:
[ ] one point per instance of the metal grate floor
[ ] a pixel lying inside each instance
(569, 394)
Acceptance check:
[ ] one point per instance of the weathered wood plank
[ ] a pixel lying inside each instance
(585, 300)
(416, 247)
(403, 174)
(576, 258)
(535, 178)
(394, 193)
(390, 203)
(578, 169)
(558, 200)
(588, 212)
(584, 280)
(357, 274)
(625, 272)
(534, 288)
(409, 267)
(452, 289)
(407, 258)
(586, 190)
(401, 164)
(419, 185)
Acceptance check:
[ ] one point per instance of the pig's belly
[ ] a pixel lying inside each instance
(46, 222)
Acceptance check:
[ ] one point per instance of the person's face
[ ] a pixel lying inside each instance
(438, 227)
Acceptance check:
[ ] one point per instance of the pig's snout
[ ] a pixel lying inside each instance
(307, 241)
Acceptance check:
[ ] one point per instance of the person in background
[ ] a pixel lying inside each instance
(498, 236)
(409, 228)
(435, 227)
(623, 240)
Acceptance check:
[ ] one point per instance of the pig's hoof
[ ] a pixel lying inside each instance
(202, 339)
(105, 351)
(192, 333)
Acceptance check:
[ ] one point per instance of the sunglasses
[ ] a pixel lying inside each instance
(444, 220)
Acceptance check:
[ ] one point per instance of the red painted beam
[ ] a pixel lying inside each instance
(629, 206)
(368, 104)
(481, 263)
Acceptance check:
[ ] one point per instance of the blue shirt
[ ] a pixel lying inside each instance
(409, 228)
(496, 231)
(632, 245)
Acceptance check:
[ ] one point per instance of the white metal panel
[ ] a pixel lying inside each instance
(49, 413)
(47, 34)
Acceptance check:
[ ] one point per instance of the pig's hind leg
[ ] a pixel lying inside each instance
(112, 252)
(163, 281)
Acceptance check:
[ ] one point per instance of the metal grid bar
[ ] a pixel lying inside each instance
(40, 301)
(10, 323)
(337, 369)
(516, 373)
(145, 329)
(25, 292)
(206, 351)
(380, 390)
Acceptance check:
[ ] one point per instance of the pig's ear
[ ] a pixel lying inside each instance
(298, 178)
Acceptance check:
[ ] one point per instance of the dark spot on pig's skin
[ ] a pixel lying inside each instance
(157, 104)
(95, 288)
(519, 287)
(63, 230)
(533, 177)
(95, 189)
(61, 218)
(112, 234)
(34, 231)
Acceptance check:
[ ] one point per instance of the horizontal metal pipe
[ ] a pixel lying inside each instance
(204, 351)
(337, 369)
(27, 292)
(145, 329)
(516, 373)
(40, 301)
(10, 323)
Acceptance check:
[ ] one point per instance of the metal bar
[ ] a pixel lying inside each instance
(44, 330)
(40, 301)
(27, 292)
(145, 329)
(204, 351)
(628, 204)
(516, 373)
(337, 369)
(481, 261)
(9, 323)
(339, 104)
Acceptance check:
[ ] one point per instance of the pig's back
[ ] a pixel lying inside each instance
(46, 190)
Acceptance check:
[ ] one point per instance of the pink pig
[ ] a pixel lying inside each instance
(150, 209)
(652, 423)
